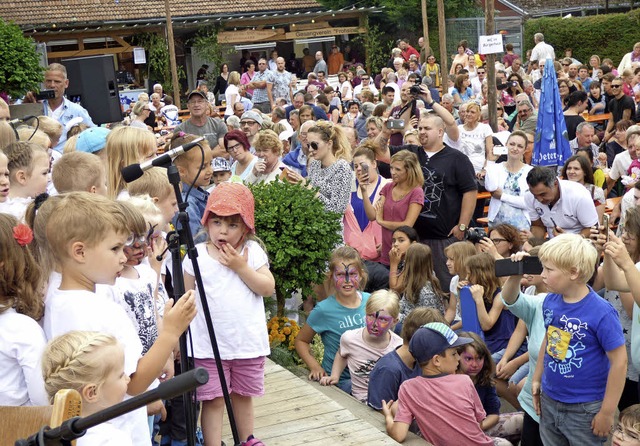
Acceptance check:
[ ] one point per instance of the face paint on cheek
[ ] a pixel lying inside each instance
(346, 275)
(378, 325)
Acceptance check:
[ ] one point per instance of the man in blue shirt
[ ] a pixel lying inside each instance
(60, 108)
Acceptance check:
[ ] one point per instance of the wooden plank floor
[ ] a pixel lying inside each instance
(294, 412)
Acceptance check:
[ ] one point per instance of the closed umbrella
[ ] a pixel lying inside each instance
(551, 144)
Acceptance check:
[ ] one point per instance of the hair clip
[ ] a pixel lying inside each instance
(181, 134)
(22, 234)
(39, 200)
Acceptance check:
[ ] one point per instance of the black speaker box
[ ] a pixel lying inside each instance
(92, 84)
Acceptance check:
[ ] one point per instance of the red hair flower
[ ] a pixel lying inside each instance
(23, 234)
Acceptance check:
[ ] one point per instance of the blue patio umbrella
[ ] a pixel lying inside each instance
(551, 144)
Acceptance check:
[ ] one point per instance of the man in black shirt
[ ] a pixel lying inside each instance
(450, 188)
(620, 106)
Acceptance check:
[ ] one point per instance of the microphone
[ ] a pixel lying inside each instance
(17, 121)
(134, 171)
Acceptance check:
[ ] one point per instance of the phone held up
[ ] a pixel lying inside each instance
(528, 265)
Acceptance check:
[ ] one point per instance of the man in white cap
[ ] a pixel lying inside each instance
(251, 123)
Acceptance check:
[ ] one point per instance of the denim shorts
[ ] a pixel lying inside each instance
(568, 424)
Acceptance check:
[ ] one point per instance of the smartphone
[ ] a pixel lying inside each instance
(45, 94)
(528, 265)
(365, 168)
(395, 123)
(605, 225)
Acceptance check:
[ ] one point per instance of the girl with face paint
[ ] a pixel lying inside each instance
(476, 362)
(361, 348)
(341, 311)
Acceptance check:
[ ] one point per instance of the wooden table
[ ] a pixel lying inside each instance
(596, 118)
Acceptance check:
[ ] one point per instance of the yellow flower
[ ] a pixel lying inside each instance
(286, 330)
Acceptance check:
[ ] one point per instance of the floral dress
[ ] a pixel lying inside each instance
(427, 298)
(508, 213)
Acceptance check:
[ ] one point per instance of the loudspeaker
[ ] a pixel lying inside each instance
(92, 84)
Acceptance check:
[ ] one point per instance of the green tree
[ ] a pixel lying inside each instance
(20, 69)
(158, 64)
(205, 43)
(299, 235)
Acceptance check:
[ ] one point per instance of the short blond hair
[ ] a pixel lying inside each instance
(135, 220)
(7, 135)
(26, 133)
(147, 208)
(570, 253)
(77, 172)
(154, 182)
(83, 217)
(70, 144)
(21, 155)
(125, 146)
(75, 359)
(51, 127)
(268, 139)
(384, 299)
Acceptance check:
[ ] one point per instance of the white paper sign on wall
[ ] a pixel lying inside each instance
(490, 44)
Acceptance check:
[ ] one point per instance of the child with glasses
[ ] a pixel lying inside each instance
(361, 348)
(627, 431)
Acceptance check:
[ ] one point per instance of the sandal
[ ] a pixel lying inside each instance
(252, 441)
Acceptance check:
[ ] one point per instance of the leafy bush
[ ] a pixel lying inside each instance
(20, 69)
(607, 35)
(299, 235)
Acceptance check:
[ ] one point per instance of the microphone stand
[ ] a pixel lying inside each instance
(76, 427)
(174, 240)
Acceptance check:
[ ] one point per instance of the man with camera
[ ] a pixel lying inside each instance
(57, 106)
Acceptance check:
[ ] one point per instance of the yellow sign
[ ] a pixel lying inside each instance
(324, 32)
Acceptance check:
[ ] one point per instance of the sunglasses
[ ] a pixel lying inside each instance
(616, 85)
(313, 145)
(566, 64)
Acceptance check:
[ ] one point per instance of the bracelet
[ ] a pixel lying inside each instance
(431, 104)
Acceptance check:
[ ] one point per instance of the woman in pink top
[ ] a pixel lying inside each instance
(400, 201)
(247, 76)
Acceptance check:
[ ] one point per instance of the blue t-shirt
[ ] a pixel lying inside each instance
(579, 335)
(386, 377)
(497, 337)
(330, 319)
(358, 205)
(489, 399)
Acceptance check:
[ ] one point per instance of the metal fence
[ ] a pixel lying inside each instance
(472, 28)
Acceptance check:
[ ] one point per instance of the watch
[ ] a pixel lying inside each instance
(462, 227)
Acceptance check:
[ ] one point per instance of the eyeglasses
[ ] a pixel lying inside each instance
(234, 148)
(135, 239)
(498, 240)
(248, 122)
(616, 85)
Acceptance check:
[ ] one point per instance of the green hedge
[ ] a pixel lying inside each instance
(607, 35)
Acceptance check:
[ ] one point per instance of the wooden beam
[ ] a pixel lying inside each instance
(492, 93)
(172, 56)
(442, 32)
(425, 24)
(93, 52)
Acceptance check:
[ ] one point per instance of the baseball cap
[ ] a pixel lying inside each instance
(432, 339)
(199, 93)
(220, 164)
(228, 199)
(253, 115)
(92, 140)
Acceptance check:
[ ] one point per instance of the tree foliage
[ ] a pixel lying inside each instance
(20, 69)
(205, 43)
(607, 35)
(158, 63)
(299, 235)
(405, 17)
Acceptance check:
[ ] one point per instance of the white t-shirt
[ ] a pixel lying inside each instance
(67, 310)
(232, 90)
(362, 357)
(474, 144)
(573, 212)
(620, 165)
(372, 88)
(16, 206)
(21, 345)
(237, 312)
(105, 434)
(348, 93)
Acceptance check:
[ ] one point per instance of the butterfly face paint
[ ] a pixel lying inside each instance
(378, 324)
(346, 277)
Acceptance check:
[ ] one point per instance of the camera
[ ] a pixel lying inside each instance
(395, 123)
(415, 90)
(474, 235)
(45, 94)
(514, 83)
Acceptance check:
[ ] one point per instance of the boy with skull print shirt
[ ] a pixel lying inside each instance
(577, 384)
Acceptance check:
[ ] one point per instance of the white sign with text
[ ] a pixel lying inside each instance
(490, 44)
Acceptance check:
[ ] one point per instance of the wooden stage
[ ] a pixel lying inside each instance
(294, 411)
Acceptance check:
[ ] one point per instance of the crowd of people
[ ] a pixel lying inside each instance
(400, 157)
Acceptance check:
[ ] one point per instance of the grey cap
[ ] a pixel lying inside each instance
(253, 115)
(367, 109)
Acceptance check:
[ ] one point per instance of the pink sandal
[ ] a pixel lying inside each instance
(252, 441)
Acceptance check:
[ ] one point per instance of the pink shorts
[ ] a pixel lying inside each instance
(243, 376)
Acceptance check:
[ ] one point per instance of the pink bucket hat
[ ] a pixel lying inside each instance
(229, 199)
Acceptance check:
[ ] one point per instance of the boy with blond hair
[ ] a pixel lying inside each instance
(79, 172)
(87, 235)
(155, 183)
(582, 363)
